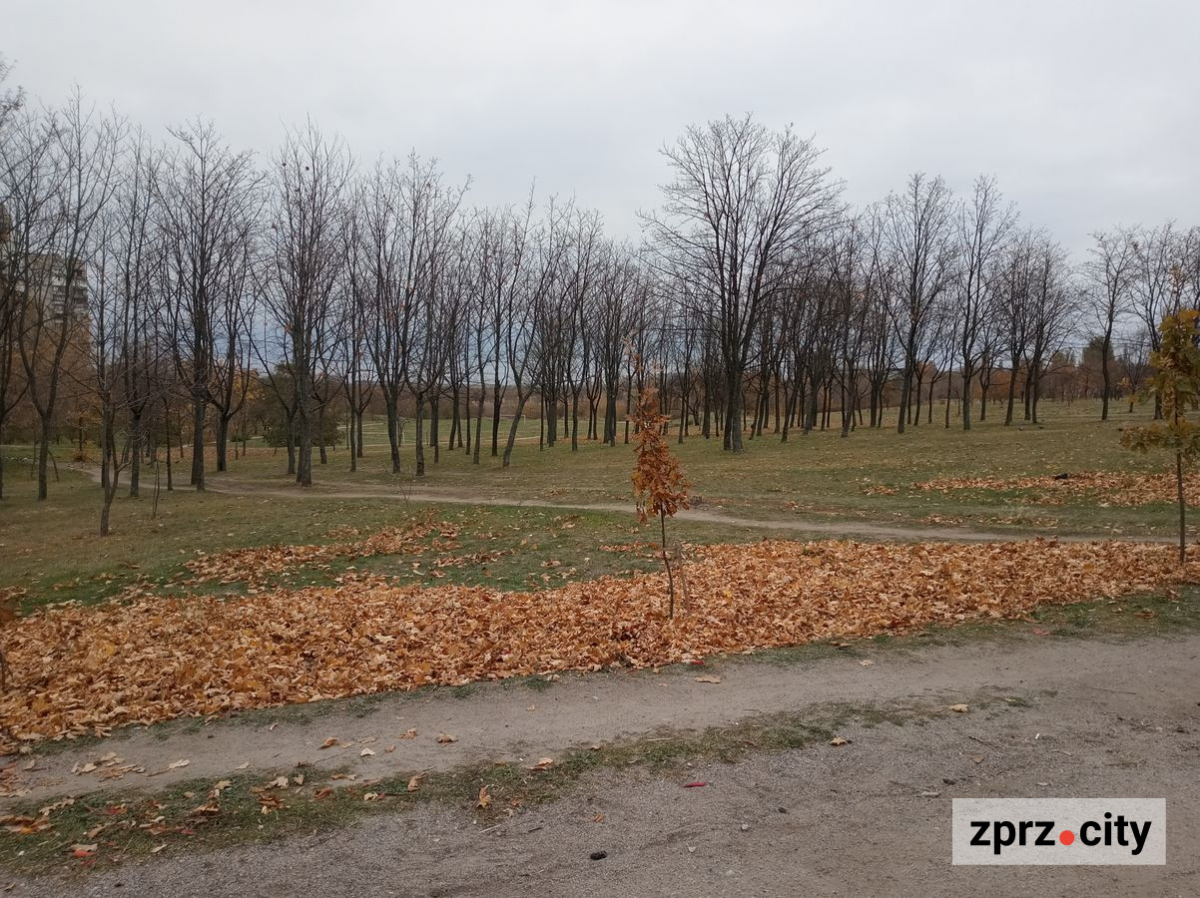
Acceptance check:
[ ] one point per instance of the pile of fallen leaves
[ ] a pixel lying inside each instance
(88, 669)
(261, 563)
(1106, 487)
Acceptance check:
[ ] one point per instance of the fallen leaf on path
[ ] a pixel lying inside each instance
(485, 799)
(414, 783)
(446, 738)
(708, 678)
(839, 740)
(330, 742)
(960, 708)
(366, 753)
(543, 764)
(83, 850)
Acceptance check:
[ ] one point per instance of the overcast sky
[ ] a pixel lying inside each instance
(1087, 111)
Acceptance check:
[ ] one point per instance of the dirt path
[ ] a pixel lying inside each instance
(841, 527)
(837, 527)
(513, 721)
(870, 818)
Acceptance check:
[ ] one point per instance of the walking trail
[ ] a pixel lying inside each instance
(838, 527)
(870, 817)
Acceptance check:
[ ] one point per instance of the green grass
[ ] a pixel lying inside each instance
(819, 475)
(52, 549)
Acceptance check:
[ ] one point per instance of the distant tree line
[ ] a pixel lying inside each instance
(160, 286)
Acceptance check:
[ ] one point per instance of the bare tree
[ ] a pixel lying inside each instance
(60, 170)
(920, 234)
(537, 278)
(124, 309)
(206, 193)
(10, 392)
(741, 199)
(1111, 270)
(305, 247)
(984, 227)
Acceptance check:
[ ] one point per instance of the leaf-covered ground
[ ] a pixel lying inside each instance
(1126, 490)
(84, 670)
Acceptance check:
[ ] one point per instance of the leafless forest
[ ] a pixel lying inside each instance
(152, 285)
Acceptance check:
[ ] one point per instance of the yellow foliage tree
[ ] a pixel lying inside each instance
(1176, 385)
(658, 482)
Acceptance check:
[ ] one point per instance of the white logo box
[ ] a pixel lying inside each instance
(1084, 818)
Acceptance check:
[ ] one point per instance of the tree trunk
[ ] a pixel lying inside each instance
(496, 421)
(222, 441)
(733, 414)
(198, 415)
(512, 431)
(393, 429)
(662, 517)
(478, 424)
(44, 460)
(420, 441)
(135, 461)
(1182, 506)
(905, 398)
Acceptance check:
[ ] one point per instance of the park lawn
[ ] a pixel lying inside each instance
(867, 476)
(51, 549)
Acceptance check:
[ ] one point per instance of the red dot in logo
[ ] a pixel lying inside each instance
(1066, 837)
